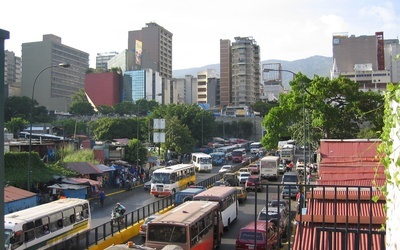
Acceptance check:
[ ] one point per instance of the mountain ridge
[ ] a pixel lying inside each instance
(310, 66)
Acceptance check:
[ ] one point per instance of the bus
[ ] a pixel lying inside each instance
(52, 225)
(255, 147)
(269, 167)
(171, 179)
(218, 158)
(286, 155)
(227, 150)
(187, 194)
(202, 162)
(238, 154)
(194, 225)
(227, 199)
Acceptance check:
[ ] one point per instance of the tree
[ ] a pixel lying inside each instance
(330, 109)
(20, 106)
(80, 104)
(16, 125)
(263, 107)
(112, 128)
(72, 126)
(105, 109)
(178, 137)
(124, 108)
(136, 152)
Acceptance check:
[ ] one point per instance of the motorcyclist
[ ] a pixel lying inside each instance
(120, 209)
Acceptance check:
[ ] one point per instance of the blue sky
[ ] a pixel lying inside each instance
(285, 29)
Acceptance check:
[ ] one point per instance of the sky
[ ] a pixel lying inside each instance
(284, 29)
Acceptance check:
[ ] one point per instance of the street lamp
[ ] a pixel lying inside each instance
(304, 118)
(137, 127)
(62, 65)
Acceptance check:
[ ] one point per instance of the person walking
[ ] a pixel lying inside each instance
(309, 178)
(102, 198)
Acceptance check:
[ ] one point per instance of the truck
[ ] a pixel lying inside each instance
(270, 167)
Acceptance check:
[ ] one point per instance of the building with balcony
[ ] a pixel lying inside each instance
(12, 74)
(208, 85)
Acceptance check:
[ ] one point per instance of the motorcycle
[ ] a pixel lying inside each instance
(116, 218)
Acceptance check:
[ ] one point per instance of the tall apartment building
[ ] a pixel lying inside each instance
(240, 71)
(12, 74)
(184, 90)
(153, 48)
(103, 58)
(361, 59)
(55, 86)
(123, 60)
(208, 84)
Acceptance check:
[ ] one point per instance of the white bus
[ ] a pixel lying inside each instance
(171, 179)
(227, 199)
(202, 162)
(53, 224)
(255, 147)
(270, 167)
(227, 150)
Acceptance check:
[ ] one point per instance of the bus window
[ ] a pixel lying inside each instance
(29, 233)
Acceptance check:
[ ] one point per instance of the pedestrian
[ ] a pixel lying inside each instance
(102, 198)
(309, 178)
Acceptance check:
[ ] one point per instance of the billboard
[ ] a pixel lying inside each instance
(138, 52)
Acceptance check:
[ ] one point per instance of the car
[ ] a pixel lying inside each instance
(282, 203)
(221, 183)
(266, 232)
(225, 168)
(241, 194)
(253, 183)
(254, 168)
(290, 191)
(143, 227)
(147, 186)
(290, 178)
(246, 170)
(281, 168)
(243, 177)
(278, 215)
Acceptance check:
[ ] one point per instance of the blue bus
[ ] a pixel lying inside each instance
(218, 158)
(187, 194)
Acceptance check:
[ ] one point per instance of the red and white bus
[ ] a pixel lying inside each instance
(227, 199)
(194, 225)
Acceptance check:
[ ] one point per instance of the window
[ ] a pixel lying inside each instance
(29, 232)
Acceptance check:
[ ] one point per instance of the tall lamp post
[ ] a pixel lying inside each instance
(304, 118)
(137, 128)
(62, 65)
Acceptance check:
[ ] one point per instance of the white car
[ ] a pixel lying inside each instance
(225, 169)
(243, 177)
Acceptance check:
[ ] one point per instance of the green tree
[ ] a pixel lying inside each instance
(178, 137)
(326, 108)
(112, 128)
(105, 109)
(20, 106)
(263, 107)
(80, 104)
(124, 108)
(15, 125)
(136, 152)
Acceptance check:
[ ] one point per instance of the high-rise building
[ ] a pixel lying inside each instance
(240, 71)
(12, 74)
(272, 82)
(103, 58)
(361, 59)
(225, 71)
(208, 84)
(54, 86)
(153, 49)
(123, 60)
(392, 48)
(142, 84)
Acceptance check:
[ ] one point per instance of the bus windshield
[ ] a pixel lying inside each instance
(205, 160)
(163, 178)
(167, 233)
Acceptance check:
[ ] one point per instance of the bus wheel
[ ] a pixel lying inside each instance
(229, 225)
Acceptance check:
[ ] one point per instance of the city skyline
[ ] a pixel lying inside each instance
(285, 30)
